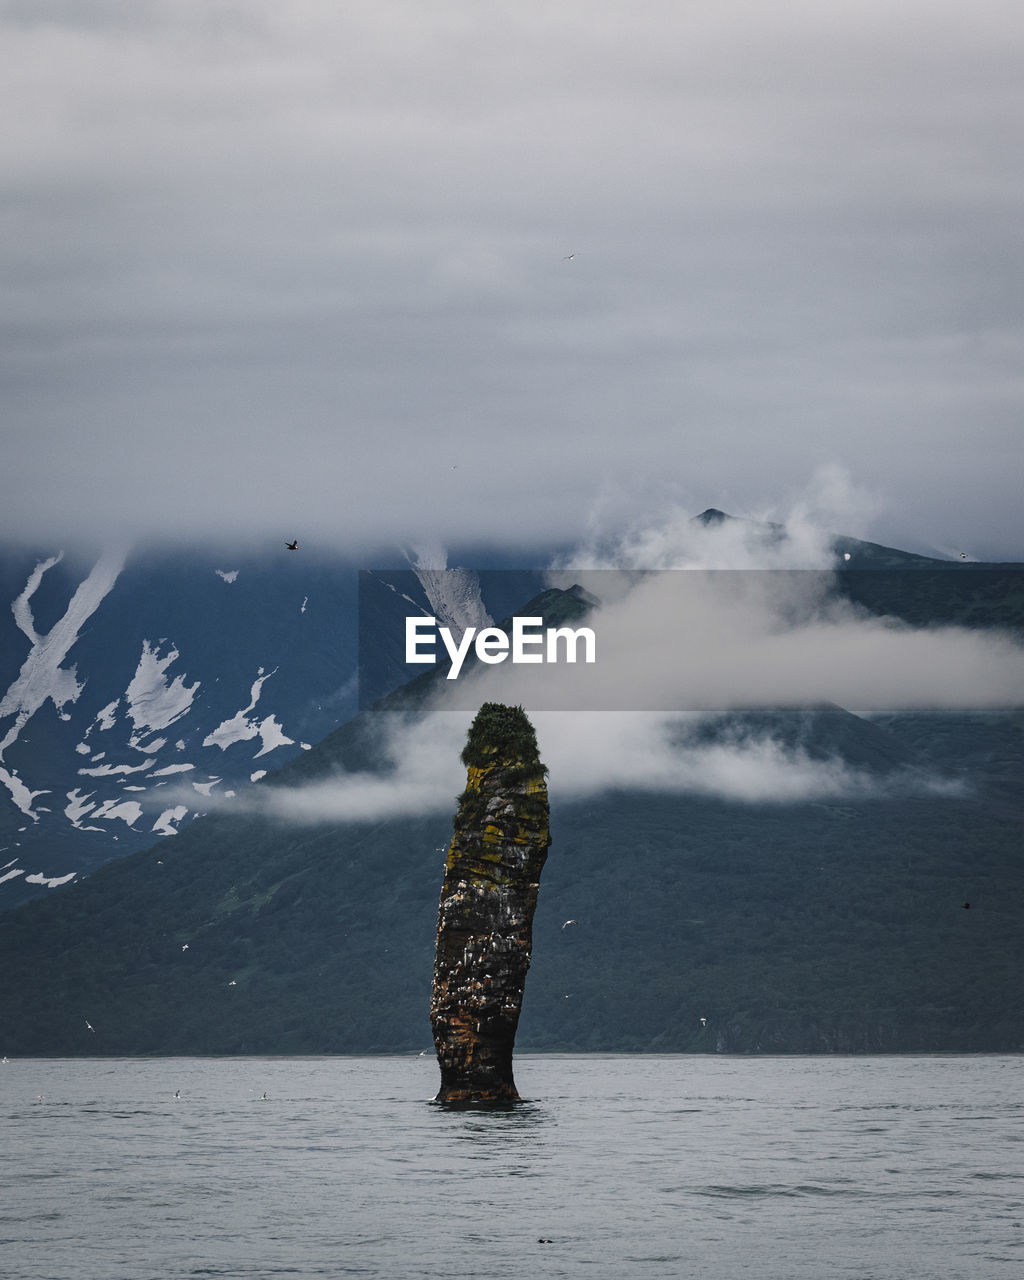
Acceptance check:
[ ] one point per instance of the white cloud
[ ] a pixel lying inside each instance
(588, 754)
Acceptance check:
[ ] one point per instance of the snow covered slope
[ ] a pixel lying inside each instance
(133, 685)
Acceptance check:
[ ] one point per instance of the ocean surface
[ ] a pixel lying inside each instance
(674, 1166)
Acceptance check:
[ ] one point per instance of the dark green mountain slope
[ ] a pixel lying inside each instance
(789, 928)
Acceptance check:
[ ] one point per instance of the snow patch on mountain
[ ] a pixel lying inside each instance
(242, 729)
(20, 794)
(153, 702)
(454, 596)
(171, 768)
(106, 770)
(272, 735)
(22, 607)
(129, 811)
(78, 807)
(43, 676)
(106, 718)
(164, 825)
(50, 882)
(391, 587)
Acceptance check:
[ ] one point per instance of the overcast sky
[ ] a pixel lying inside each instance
(303, 268)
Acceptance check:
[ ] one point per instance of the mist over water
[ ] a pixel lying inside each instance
(630, 1166)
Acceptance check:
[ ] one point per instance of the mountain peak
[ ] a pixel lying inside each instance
(713, 516)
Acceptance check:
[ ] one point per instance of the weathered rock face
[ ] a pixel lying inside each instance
(489, 895)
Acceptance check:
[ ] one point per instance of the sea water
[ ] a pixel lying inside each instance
(616, 1166)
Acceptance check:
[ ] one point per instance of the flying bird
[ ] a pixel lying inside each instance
(184, 946)
(89, 1025)
(292, 546)
(232, 983)
(568, 922)
(569, 257)
(703, 1022)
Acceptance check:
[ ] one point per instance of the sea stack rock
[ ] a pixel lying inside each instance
(489, 895)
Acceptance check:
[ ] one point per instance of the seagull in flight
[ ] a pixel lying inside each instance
(292, 546)
(569, 257)
(89, 1025)
(569, 922)
(184, 946)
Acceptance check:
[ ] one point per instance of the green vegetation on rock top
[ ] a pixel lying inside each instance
(500, 730)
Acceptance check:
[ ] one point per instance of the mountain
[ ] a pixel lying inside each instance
(133, 688)
(132, 679)
(885, 919)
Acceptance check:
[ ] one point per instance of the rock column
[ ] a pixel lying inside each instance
(489, 895)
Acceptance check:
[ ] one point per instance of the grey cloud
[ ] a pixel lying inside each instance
(715, 642)
(279, 262)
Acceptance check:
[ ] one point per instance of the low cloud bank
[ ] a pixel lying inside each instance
(588, 754)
